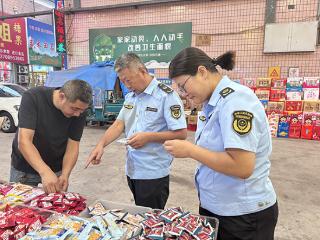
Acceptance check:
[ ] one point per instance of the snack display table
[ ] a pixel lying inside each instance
(28, 213)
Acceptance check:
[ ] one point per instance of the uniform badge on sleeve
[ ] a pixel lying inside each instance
(128, 106)
(242, 122)
(175, 111)
(226, 91)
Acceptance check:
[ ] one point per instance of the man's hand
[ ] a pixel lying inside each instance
(178, 148)
(50, 182)
(138, 140)
(95, 156)
(64, 182)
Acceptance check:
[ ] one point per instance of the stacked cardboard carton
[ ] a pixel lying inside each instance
(292, 105)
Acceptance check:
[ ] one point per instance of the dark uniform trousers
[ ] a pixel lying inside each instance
(151, 193)
(254, 226)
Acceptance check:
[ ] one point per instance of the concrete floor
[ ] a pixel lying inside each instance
(295, 175)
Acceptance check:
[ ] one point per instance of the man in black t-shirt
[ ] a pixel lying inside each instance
(46, 145)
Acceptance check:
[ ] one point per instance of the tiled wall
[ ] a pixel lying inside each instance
(304, 10)
(234, 24)
(90, 3)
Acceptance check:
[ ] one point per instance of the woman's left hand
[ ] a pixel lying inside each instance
(178, 148)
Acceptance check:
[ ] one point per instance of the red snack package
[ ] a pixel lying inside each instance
(59, 201)
(8, 221)
(207, 230)
(170, 215)
(24, 212)
(73, 212)
(4, 189)
(193, 218)
(173, 230)
(80, 207)
(67, 202)
(146, 230)
(34, 224)
(295, 126)
(202, 236)
(156, 233)
(6, 235)
(185, 236)
(45, 205)
(316, 133)
(193, 228)
(49, 198)
(71, 196)
(151, 223)
(19, 231)
(183, 224)
(59, 210)
(20, 220)
(308, 125)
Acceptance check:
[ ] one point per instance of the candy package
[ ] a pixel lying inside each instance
(17, 221)
(174, 223)
(68, 203)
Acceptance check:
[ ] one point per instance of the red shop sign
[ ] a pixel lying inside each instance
(59, 29)
(13, 41)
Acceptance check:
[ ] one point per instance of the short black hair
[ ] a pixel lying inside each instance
(77, 90)
(187, 61)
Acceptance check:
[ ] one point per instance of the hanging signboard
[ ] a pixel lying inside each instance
(13, 41)
(41, 44)
(59, 29)
(155, 44)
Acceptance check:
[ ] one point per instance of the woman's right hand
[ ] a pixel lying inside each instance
(179, 148)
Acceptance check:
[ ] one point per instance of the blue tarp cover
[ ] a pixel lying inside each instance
(100, 75)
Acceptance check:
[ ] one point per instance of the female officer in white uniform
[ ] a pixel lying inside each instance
(233, 145)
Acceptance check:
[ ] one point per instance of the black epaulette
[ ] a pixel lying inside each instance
(226, 91)
(165, 88)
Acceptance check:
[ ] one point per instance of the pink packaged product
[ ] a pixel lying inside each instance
(311, 82)
(174, 223)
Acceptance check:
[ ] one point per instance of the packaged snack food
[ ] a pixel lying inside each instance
(68, 203)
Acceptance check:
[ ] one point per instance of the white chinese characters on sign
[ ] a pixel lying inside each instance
(159, 42)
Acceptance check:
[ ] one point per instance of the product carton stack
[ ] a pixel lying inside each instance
(292, 105)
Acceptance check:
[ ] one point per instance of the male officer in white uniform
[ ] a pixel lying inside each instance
(152, 113)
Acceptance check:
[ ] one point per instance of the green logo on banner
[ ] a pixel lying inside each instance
(103, 48)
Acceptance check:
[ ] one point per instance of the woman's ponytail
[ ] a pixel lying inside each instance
(225, 61)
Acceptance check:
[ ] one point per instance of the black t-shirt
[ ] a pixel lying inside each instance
(52, 129)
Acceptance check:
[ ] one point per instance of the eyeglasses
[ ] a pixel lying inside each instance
(181, 88)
